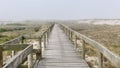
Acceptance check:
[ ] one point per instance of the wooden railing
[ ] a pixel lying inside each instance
(27, 49)
(102, 51)
(16, 60)
(14, 41)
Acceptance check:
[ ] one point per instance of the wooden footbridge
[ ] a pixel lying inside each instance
(58, 48)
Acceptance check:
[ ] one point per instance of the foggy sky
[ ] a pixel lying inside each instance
(58, 9)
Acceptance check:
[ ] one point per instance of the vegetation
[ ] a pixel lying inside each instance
(10, 34)
(107, 35)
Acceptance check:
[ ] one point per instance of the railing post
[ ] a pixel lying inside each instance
(69, 34)
(44, 41)
(47, 35)
(22, 40)
(1, 57)
(13, 53)
(75, 41)
(100, 60)
(40, 42)
(39, 51)
(46, 38)
(30, 60)
(83, 49)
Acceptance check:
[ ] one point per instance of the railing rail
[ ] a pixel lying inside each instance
(19, 58)
(13, 41)
(103, 51)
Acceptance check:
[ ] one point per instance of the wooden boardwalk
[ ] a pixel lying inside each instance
(60, 53)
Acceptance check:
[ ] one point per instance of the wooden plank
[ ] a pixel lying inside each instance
(83, 49)
(15, 61)
(115, 59)
(60, 53)
(100, 58)
(30, 60)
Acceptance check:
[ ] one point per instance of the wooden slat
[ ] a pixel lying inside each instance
(60, 53)
(115, 59)
(18, 58)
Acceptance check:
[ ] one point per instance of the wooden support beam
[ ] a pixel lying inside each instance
(46, 38)
(22, 40)
(71, 36)
(47, 35)
(76, 42)
(15, 61)
(113, 58)
(13, 53)
(100, 58)
(40, 48)
(39, 51)
(1, 57)
(83, 49)
(30, 60)
(44, 41)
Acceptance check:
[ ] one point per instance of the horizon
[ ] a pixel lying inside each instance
(59, 9)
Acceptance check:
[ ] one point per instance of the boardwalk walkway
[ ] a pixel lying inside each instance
(60, 52)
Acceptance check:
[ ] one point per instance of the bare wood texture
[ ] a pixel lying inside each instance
(60, 53)
(115, 59)
(15, 61)
(13, 41)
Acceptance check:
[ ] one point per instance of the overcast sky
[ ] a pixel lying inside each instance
(58, 9)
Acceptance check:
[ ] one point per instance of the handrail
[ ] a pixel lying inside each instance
(37, 37)
(19, 58)
(103, 50)
(13, 41)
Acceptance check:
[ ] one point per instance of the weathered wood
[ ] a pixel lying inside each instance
(14, 41)
(13, 53)
(76, 42)
(1, 57)
(46, 38)
(60, 53)
(22, 40)
(47, 35)
(100, 60)
(40, 43)
(15, 61)
(30, 60)
(71, 36)
(45, 41)
(113, 58)
(37, 36)
(20, 57)
(83, 49)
